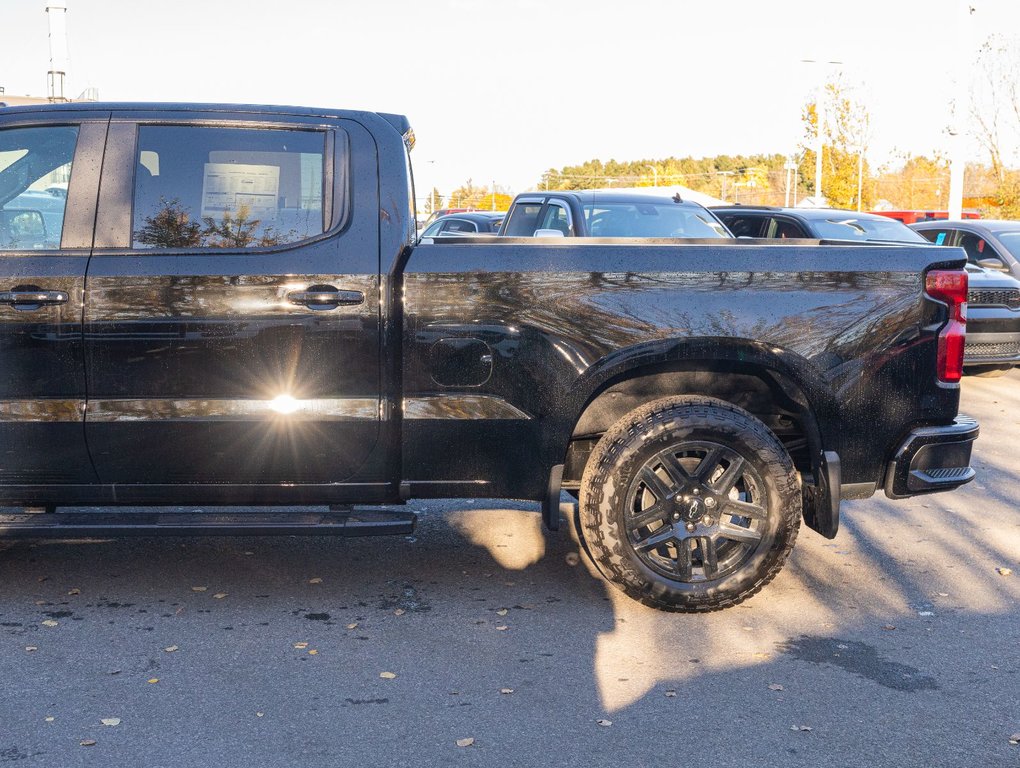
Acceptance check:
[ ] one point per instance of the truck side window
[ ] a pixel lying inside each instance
(556, 217)
(787, 229)
(744, 226)
(35, 167)
(523, 220)
(199, 187)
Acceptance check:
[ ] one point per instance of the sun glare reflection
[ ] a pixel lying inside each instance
(284, 404)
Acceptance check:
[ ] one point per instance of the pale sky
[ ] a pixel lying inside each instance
(503, 91)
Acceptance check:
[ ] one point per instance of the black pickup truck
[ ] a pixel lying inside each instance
(232, 311)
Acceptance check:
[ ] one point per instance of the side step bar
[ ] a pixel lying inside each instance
(74, 525)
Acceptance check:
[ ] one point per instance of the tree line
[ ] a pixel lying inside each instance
(909, 181)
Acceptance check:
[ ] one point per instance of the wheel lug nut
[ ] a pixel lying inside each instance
(676, 515)
(709, 521)
(709, 502)
(696, 491)
(691, 527)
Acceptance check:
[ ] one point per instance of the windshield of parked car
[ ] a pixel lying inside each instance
(853, 228)
(1011, 241)
(666, 219)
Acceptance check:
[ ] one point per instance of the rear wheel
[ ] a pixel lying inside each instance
(689, 504)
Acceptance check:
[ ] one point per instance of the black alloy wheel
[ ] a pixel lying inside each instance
(689, 504)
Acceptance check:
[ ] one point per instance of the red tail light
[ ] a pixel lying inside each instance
(950, 287)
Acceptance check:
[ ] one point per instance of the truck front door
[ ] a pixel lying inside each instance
(45, 240)
(232, 317)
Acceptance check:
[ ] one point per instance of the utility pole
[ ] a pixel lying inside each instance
(655, 175)
(956, 158)
(819, 127)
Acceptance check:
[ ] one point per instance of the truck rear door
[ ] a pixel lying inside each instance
(49, 177)
(232, 314)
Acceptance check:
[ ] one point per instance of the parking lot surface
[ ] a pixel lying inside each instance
(893, 645)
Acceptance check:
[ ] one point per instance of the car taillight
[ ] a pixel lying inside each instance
(950, 287)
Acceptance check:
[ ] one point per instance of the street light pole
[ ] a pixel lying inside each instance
(655, 175)
(819, 128)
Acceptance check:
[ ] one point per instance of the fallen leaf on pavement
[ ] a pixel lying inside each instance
(604, 723)
(50, 623)
(316, 580)
(88, 742)
(1015, 738)
(50, 719)
(220, 595)
(502, 628)
(260, 714)
(505, 691)
(1004, 571)
(170, 648)
(399, 612)
(889, 627)
(465, 742)
(775, 687)
(199, 589)
(31, 648)
(670, 694)
(502, 612)
(313, 652)
(110, 721)
(75, 591)
(387, 675)
(352, 625)
(800, 728)
(152, 680)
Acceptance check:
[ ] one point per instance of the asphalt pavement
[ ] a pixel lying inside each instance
(896, 644)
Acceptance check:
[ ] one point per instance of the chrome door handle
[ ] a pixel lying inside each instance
(323, 297)
(14, 298)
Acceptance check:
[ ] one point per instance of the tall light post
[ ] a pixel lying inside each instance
(956, 149)
(655, 174)
(819, 127)
(789, 166)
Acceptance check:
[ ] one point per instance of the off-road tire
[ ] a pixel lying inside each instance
(679, 427)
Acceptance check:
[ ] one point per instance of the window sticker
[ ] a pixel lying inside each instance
(940, 238)
(227, 187)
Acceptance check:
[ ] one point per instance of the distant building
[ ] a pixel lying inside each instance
(10, 100)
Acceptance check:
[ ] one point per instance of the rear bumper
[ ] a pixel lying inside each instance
(932, 459)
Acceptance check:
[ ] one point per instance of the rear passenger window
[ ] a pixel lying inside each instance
(198, 187)
(459, 225)
(744, 226)
(788, 229)
(937, 236)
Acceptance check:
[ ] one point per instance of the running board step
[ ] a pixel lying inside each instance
(348, 522)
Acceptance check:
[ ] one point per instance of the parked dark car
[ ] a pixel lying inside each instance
(815, 223)
(465, 224)
(237, 313)
(993, 323)
(609, 213)
(989, 243)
